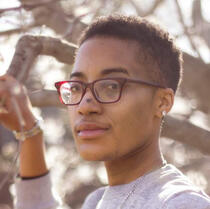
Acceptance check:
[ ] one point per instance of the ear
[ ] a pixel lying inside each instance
(164, 101)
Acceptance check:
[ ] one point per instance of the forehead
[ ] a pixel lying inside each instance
(99, 53)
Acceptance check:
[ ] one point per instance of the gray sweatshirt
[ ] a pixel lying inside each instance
(165, 188)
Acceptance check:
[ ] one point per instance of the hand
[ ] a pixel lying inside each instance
(15, 106)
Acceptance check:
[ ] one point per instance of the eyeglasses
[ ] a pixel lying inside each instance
(107, 90)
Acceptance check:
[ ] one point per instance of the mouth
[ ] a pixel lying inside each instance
(91, 130)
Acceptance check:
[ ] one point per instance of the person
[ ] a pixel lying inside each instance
(123, 82)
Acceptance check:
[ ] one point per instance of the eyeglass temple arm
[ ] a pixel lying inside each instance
(146, 83)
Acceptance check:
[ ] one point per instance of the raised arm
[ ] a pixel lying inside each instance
(16, 109)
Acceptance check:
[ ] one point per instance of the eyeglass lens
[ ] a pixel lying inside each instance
(104, 91)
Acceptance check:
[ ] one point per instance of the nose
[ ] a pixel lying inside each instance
(88, 104)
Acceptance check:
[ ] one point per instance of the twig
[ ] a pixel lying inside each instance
(186, 31)
(45, 98)
(28, 6)
(142, 13)
(17, 30)
(187, 133)
(75, 21)
(29, 47)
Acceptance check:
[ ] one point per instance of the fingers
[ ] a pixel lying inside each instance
(10, 85)
(10, 91)
(2, 101)
(4, 92)
(3, 110)
(15, 106)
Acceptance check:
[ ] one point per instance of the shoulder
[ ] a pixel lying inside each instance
(93, 198)
(171, 189)
(188, 200)
(178, 192)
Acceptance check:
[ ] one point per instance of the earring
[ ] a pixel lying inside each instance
(163, 113)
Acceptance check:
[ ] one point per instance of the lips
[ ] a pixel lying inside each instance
(91, 129)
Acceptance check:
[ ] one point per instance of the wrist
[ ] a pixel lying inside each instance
(30, 121)
(28, 133)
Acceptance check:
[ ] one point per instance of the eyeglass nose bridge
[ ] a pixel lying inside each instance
(90, 86)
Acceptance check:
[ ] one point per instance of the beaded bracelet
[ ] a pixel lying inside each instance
(27, 134)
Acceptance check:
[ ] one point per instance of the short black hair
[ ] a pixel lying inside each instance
(157, 46)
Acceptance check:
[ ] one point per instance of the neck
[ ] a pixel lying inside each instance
(130, 167)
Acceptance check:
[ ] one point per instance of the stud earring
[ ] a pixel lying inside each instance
(163, 113)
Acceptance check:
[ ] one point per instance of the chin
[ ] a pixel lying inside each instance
(96, 149)
(90, 156)
(94, 154)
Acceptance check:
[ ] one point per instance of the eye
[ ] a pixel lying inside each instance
(75, 87)
(112, 86)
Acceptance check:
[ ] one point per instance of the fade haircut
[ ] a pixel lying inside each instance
(162, 59)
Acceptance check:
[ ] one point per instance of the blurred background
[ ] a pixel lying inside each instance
(185, 138)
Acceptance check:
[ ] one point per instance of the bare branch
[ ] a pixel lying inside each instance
(143, 13)
(17, 30)
(200, 26)
(186, 31)
(187, 133)
(195, 83)
(76, 20)
(45, 98)
(29, 47)
(197, 16)
(28, 6)
(61, 50)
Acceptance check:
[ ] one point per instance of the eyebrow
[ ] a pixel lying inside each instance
(114, 70)
(77, 74)
(103, 72)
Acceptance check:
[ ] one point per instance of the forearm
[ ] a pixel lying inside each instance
(34, 192)
(32, 157)
(32, 152)
(37, 192)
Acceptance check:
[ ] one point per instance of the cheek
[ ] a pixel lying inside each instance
(132, 122)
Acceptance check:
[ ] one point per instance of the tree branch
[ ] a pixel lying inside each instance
(17, 30)
(29, 47)
(143, 13)
(45, 98)
(187, 133)
(186, 31)
(195, 84)
(28, 6)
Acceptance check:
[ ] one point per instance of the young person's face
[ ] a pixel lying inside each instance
(111, 131)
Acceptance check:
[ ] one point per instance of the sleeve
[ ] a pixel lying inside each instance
(35, 194)
(189, 200)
